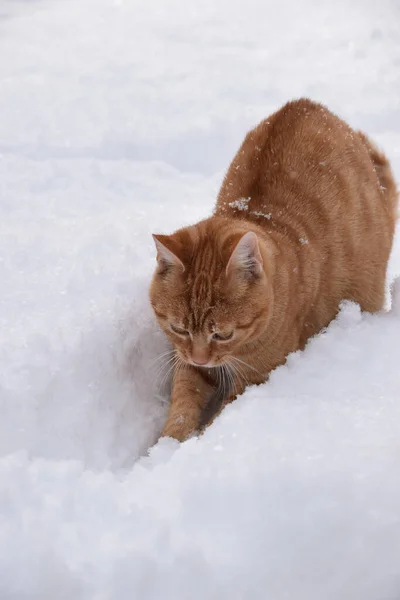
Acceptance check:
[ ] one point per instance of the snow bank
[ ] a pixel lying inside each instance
(293, 493)
(117, 120)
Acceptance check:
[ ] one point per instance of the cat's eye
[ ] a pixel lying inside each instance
(179, 330)
(222, 337)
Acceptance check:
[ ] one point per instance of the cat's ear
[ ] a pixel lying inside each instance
(246, 257)
(167, 252)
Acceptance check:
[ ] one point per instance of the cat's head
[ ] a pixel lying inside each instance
(211, 292)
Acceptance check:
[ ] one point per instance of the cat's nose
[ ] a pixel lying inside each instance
(199, 353)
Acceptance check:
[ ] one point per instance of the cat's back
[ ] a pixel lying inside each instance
(285, 150)
(324, 194)
(300, 161)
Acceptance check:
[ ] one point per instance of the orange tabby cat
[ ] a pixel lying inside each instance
(304, 219)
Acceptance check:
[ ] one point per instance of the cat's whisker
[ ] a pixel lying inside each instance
(222, 381)
(166, 362)
(246, 364)
(171, 364)
(231, 378)
(168, 356)
(218, 372)
(241, 376)
(166, 376)
(165, 365)
(180, 365)
(161, 356)
(222, 375)
(163, 380)
(225, 381)
(239, 371)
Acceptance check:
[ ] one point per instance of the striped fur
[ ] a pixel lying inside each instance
(322, 202)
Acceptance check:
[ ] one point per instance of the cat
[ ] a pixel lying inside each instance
(304, 219)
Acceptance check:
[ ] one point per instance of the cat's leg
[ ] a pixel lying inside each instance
(216, 414)
(239, 386)
(190, 394)
(373, 297)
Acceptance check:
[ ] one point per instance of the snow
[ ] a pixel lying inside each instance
(259, 213)
(118, 120)
(241, 204)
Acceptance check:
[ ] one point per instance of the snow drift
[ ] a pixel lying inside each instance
(117, 120)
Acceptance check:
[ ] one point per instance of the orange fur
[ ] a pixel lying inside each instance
(304, 219)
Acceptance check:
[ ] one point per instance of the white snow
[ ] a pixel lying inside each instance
(118, 119)
(259, 213)
(240, 204)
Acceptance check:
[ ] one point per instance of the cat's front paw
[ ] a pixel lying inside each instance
(174, 433)
(178, 429)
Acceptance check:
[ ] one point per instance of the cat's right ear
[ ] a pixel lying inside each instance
(246, 258)
(167, 253)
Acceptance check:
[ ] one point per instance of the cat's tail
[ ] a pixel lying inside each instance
(384, 172)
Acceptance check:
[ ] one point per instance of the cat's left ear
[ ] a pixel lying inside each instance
(167, 252)
(246, 257)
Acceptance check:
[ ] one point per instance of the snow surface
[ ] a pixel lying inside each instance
(117, 119)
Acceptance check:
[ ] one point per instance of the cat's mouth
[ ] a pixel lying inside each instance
(206, 365)
(210, 364)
